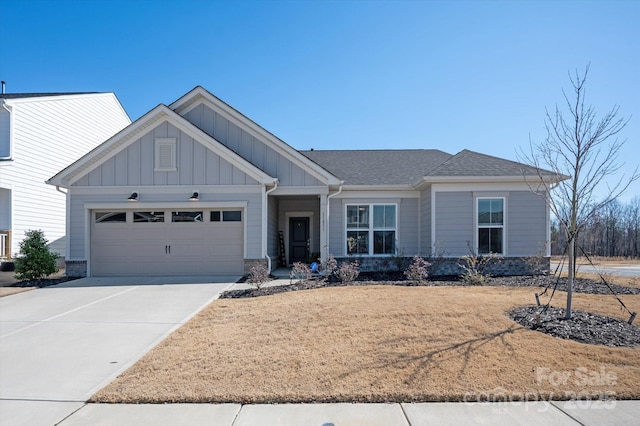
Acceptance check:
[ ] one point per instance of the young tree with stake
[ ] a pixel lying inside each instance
(582, 150)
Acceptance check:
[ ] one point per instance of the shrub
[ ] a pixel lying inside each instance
(35, 260)
(348, 272)
(258, 276)
(474, 267)
(329, 266)
(300, 271)
(418, 271)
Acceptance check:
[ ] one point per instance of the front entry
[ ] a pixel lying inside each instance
(299, 239)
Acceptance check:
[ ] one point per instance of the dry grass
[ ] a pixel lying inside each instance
(7, 291)
(377, 343)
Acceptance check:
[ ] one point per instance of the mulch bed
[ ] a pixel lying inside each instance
(580, 285)
(583, 326)
(45, 282)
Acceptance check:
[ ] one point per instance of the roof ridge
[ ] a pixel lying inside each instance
(444, 162)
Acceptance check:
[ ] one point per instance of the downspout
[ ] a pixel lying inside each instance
(326, 230)
(265, 214)
(67, 231)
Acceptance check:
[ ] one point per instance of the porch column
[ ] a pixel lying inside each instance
(324, 233)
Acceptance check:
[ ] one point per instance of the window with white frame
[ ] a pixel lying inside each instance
(371, 229)
(490, 225)
(165, 154)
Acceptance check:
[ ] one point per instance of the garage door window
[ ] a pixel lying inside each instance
(226, 216)
(106, 217)
(186, 217)
(148, 217)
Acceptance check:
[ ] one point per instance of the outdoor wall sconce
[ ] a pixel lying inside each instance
(133, 197)
(194, 197)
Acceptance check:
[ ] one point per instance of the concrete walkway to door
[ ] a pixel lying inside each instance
(60, 344)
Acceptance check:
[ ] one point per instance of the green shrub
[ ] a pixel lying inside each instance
(35, 260)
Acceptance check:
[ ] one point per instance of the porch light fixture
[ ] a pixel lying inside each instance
(194, 197)
(133, 196)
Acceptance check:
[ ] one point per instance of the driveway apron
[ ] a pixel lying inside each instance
(60, 344)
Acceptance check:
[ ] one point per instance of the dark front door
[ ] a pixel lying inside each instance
(298, 239)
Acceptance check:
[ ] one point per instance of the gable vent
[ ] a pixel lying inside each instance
(165, 154)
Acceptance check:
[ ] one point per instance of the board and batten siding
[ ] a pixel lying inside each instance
(527, 224)
(454, 222)
(196, 164)
(49, 133)
(254, 150)
(78, 214)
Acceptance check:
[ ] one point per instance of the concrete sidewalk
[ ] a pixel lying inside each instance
(418, 414)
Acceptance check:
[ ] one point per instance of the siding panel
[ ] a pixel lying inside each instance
(526, 222)
(454, 222)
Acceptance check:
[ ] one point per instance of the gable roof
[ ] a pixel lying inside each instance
(378, 167)
(199, 95)
(131, 133)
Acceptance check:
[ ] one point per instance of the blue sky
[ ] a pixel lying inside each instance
(350, 74)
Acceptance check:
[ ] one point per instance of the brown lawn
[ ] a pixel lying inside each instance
(7, 291)
(377, 343)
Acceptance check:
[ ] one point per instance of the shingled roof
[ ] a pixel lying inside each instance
(407, 167)
(378, 167)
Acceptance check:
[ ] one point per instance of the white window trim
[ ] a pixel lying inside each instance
(477, 226)
(370, 229)
(164, 142)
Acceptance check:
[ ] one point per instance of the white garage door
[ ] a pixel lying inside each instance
(169, 242)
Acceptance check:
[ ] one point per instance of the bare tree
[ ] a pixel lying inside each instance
(582, 151)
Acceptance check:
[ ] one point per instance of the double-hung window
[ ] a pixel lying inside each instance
(371, 229)
(490, 225)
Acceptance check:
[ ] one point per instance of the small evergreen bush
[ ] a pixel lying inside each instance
(35, 260)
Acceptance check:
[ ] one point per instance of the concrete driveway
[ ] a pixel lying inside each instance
(60, 344)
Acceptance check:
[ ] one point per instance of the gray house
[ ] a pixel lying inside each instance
(197, 188)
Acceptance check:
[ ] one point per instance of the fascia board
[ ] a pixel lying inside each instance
(189, 101)
(301, 190)
(378, 188)
(474, 179)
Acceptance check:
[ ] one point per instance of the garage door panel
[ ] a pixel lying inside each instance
(167, 248)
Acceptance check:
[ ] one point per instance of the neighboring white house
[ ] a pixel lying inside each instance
(40, 134)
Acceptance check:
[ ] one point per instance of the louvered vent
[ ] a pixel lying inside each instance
(165, 154)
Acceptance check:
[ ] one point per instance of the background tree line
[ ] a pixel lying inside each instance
(613, 230)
